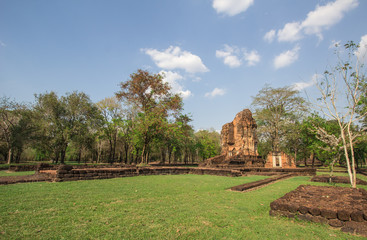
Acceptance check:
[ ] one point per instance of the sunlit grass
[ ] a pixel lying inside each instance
(152, 207)
(9, 173)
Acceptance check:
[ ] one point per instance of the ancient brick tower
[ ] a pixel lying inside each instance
(239, 136)
(239, 144)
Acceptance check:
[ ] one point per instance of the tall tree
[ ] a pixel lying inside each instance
(10, 130)
(155, 103)
(347, 75)
(112, 113)
(274, 109)
(61, 120)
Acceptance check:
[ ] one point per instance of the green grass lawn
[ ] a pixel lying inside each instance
(152, 207)
(7, 173)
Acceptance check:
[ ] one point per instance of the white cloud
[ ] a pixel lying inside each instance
(252, 58)
(322, 18)
(290, 33)
(2, 44)
(286, 58)
(362, 50)
(230, 56)
(173, 78)
(231, 7)
(175, 58)
(302, 85)
(269, 36)
(216, 92)
(233, 56)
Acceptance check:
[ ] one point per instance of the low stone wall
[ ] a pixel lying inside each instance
(67, 173)
(336, 179)
(344, 208)
(22, 168)
(277, 171)
(260, 183)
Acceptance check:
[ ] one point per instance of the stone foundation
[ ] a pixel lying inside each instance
(69, 174)
(343, 208)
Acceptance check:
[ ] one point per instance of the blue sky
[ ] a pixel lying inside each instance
(216, 53)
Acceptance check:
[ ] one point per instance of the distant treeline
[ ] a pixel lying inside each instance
(141, 123)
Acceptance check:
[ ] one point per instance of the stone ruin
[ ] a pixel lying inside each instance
(239, 136)
(239, 147)
(239, 144)
(279, 159)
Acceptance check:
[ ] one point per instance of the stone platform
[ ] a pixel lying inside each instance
(340, 207)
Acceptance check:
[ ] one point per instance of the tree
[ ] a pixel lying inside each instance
(83, 117)
(155, 104)
(274, 109)
(14, 128)
(348, 74)
(208, 143)
(112, 118)
(61, 120)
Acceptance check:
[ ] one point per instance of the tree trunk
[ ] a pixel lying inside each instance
(142, 154)
(353, 158)
(163, 155)
(9, 155)
(351, 178)
(110, 153)
(114, 147)
(79, 155)
(295, 158)
(169, 155)
(126, 147)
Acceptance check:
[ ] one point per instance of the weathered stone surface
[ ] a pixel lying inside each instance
(335, 223)
(314, 211)
(279, 159)
(343, 215)
(239, 136)
(303, 209)
(340, 207)
(328, 213)
(306, 217)
(239, 144)
(293, 208)
(358, 227)
(357, 216)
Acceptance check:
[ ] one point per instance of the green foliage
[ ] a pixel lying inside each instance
(208, 143)
(275, 109)
(62, 120)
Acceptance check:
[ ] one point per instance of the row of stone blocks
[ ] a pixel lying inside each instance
(66, 173)
(252, 185)
(350, 217)
(347, 222)
(275, 171)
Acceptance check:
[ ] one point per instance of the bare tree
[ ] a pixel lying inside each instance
(347, 75)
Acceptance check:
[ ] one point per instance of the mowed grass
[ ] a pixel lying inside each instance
(152, 207)
(9, 173)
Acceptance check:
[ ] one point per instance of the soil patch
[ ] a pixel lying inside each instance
(344, 208)
(336, 179)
